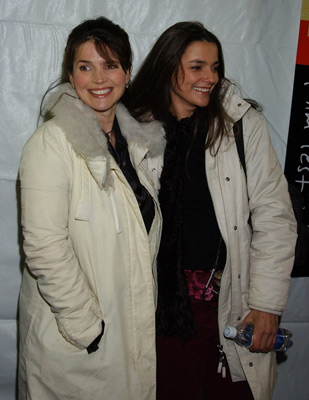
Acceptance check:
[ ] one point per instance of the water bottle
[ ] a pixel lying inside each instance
(242, 335)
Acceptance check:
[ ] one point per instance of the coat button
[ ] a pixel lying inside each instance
(239, 104)
(235, 228)
(250, 364)
(227, 179)
(153, 170)
(239, 318)
(238, 276)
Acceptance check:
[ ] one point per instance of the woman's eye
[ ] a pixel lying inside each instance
(84, 68)
(111, 66)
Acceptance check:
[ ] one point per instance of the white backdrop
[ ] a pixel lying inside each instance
(259, 39)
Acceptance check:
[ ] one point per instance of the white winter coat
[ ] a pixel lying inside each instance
(89, 259)
(258, 266)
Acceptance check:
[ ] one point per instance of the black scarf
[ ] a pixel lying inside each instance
(174, 315)
(122, 157)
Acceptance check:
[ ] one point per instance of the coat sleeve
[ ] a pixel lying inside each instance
(45, 171)
(273, 222)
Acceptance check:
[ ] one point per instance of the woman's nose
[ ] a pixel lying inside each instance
(99, 76)
(209, 76)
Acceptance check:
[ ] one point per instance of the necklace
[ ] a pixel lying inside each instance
(107, 133)
(109, 137)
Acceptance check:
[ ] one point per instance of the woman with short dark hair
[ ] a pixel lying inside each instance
(91, 225)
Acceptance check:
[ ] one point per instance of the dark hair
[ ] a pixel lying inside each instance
(107, 37)
(149, 94)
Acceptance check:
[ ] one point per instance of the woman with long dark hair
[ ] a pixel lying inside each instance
(214, 267)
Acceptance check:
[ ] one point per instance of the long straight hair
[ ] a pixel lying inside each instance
(150, 91)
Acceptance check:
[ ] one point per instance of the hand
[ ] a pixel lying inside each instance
(265, 330)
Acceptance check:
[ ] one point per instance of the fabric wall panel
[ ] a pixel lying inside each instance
(8, 359)
(293, 369)
(10, 260)
(297, 311)
(24, 81)
(259, 39)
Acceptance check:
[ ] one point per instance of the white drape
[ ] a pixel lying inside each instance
(259, 39)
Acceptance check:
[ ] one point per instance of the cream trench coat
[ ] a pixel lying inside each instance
(89, 258)
(257, 272)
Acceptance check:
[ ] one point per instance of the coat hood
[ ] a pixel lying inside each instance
(234, 105)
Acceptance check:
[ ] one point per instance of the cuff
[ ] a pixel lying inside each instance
(95, 344)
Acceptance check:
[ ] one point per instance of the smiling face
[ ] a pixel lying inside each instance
(98, 83)
(196, 78)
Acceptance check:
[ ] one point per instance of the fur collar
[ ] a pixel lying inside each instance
(82, 129)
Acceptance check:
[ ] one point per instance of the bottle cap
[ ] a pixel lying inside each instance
(230, 332)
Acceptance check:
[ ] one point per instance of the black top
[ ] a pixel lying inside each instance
(201, 237)
(122, 157)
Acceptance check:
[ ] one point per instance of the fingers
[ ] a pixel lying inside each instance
(263, 340)
(264, 332)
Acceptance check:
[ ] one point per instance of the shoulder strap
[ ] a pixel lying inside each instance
(239, 139)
